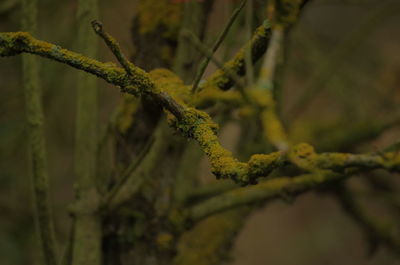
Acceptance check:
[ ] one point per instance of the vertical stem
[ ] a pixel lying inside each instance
(34, 114)
(87, 234)
(248, 60)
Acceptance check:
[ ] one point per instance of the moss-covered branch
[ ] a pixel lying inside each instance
(14, 43)
(191, 122)
(281, 187)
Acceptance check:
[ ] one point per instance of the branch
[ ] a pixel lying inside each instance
(267, 190)
(191, 122)
(140, 170)
(249, 69)
(376, 231)
(86, 248)
(15, 43)
(35, 122)
(338, 56)
(8, 6)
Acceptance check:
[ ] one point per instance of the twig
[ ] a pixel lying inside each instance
(221, 37)
(248, 57)
(114, 47)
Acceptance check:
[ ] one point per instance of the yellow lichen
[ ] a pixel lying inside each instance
(159, 13)
(284, 12)
(125, 113)
(164, 240)
(303, 155)
(169, 82)
(206, 243)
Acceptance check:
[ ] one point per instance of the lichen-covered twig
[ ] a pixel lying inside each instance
(114, 47)
(15, 43)
(323, 168)
(35, 121)
(221, 37)
(275, 188)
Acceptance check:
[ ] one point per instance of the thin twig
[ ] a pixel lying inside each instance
(248, 57)
(114, 46)
(221, 37)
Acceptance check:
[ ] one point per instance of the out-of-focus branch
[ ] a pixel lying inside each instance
(8, 6)
(270, 189)
(274, 130)
(247, 57)
(271, 59)
(35, 122)
(376, 231)
(86, 248)
(133, 179)
(325, 70)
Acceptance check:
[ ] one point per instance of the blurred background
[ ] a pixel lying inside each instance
(342, 70)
